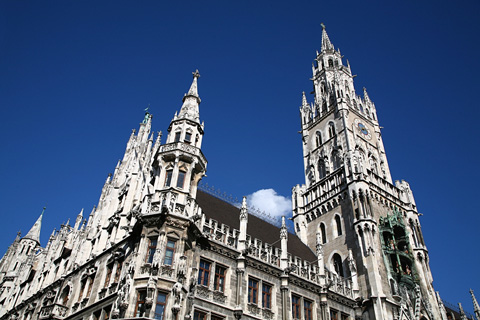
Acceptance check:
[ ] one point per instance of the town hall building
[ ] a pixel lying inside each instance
(156, 246)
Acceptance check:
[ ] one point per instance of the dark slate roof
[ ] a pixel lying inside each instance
(223, 212)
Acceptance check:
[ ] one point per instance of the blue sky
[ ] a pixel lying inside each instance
(76, 76)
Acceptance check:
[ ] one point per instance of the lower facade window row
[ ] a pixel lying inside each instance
(203, 315)
(302, 308)
(255, 295)
(208, 270)
(158, 309)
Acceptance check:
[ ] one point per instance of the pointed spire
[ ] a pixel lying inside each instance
(365, 96)
(476, 307)
(463, 316)
(304, 100)
(34, 233)
(326, 43)
(79, 220)
(191, 101)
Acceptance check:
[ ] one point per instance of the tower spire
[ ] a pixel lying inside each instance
(326, 43)
(191, 101)
(476, 307)
(34, 233)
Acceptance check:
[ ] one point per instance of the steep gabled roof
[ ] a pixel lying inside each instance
(223, 212)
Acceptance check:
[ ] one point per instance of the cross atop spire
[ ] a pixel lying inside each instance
(193, 88)
(34, 233)
(326, 43)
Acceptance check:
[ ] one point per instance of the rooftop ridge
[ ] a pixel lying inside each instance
(456, 308)
(265, 216)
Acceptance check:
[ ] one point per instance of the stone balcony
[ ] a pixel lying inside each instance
(53, 311)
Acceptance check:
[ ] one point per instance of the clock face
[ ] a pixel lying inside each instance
(363, 129)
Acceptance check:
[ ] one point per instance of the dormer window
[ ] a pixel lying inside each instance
(188, 137)
(177, 136)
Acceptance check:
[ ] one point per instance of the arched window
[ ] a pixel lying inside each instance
(355, 104)
(188, 137)
(368, 112)
(336, 63)
(338, 225)
(337, 264)
(318, 138)
(330, 63)
(331, 130)
(322, 169)
(361, 107)
(65, 295)
(323, 233)
(336, 159)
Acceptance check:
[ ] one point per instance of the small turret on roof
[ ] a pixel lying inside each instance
(476, 307)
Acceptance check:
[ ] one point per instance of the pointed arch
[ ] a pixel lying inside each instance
(338, 265)
(331, 130)
(323, 233)
(338, 225)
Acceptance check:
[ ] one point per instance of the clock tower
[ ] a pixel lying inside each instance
(366, 226)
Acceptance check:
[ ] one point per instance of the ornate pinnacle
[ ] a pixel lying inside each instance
(196, 74)
(244, 210)
(283, 229)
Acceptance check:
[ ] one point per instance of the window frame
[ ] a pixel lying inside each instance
(139, 302)
(219, 278)
(108, 275)
(168, 177)
(296, 307)
(168, 250)
(253, 290)
(202, 271)
(267, 295)
(156, 315)
(151, 249)
(181, 179)
(308, 309)
(199, 315)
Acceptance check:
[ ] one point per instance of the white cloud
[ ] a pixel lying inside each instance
(270, 202)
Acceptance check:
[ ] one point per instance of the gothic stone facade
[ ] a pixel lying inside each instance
(155, 247)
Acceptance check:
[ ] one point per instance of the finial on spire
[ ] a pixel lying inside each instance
(323, 26)
(196, 74)
(148, 115)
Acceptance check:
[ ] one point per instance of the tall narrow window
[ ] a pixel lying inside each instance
(168, 178)
(307, 309)
(90, 285)
(337, 264)
(108, 275)
(331, 130)
(318, 138)
(140, 305)
(252, 291)
(118, 272)
(160, 306)
(295, 307)
(83, 284)
(338, 223)
(266, 296)
(177, 136)
(219, 280)
(322, 169)
(169, 251)
(204, 272)
(324, 233)
(181, 179)
(152, 247)
(188, 137)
